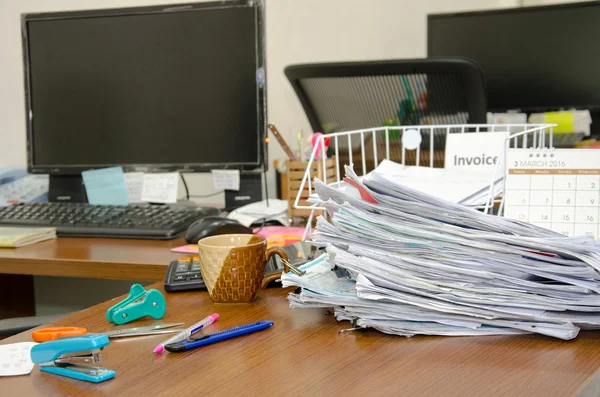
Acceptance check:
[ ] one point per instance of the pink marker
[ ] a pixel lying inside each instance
(326, 141)
(187, 332)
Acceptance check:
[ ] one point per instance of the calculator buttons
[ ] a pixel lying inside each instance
(181, 268)
(184, 274)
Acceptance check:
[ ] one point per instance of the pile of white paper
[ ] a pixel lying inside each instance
(464, 186)
(407, 263)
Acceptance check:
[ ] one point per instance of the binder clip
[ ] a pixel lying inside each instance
(138, 304)
(69, 356)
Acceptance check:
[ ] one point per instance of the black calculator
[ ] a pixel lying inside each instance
(184, 275)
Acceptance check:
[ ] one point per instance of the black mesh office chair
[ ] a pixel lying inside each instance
(355, 95)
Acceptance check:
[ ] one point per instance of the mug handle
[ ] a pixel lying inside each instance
(274, 276)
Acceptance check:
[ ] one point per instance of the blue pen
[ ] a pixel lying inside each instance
(218, 336)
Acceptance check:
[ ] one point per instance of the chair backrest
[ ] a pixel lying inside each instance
(354, 95)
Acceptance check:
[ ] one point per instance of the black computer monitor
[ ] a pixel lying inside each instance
(160, 88)
(534, 58)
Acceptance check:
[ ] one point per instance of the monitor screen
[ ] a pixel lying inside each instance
(145, 88)
(534, 58)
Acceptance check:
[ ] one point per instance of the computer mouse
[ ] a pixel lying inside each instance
(213, 225)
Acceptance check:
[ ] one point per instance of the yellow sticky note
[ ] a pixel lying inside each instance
(564, 120)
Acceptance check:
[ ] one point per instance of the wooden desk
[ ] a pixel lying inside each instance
(78, 257)
(303, 354)
(92, 257)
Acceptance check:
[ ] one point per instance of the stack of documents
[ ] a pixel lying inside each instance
(407, 263)
(15, 237)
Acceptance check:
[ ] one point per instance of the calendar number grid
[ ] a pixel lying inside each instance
(565, 200)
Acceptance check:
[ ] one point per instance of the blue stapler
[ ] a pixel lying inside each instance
(69, 356)
(139, 303)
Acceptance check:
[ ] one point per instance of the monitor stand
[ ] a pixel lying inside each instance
(66, 189)
(250, 191)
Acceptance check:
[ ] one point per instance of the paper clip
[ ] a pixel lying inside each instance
(138, 304)
(293, 268)
(355, 327)
(69, 356)
(347, 330)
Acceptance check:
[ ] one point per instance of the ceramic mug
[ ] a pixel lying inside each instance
(233, 266)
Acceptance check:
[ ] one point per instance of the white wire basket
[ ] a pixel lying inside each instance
(366, 148)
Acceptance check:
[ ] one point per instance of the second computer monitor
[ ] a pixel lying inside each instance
(534, 58)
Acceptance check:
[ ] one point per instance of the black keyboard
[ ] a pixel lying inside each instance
(157, 222)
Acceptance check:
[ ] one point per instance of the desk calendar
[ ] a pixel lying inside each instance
(558, 189)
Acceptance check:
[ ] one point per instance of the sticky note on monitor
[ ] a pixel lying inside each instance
(134, 182)
(105, 186)
(161, 187)
(226, 179)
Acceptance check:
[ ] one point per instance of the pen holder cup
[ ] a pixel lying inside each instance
(233, 266)
(294, 175)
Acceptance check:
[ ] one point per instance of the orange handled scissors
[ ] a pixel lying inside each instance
(46, 334)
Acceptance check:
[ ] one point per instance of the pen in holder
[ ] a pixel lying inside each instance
(320, 148)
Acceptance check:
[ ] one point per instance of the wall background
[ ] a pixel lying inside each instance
(298, 31)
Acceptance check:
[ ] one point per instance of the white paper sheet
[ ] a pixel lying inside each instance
(15, 359)
(259, 212)
(226, 179)
(453, 185)
(134, 182)
(476, 151)
(161, 187)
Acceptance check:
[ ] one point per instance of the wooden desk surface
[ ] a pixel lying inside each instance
(303, 354)
(92, 257)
